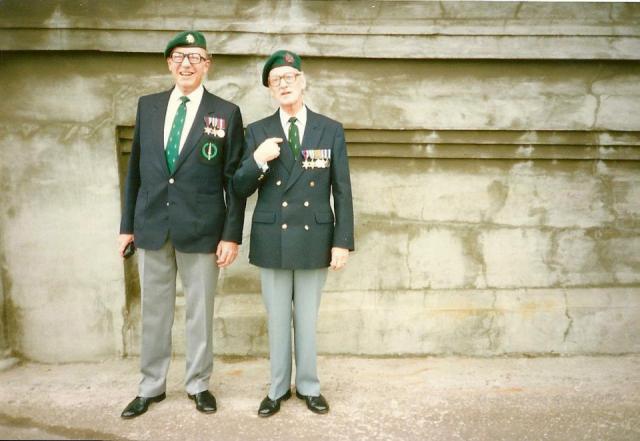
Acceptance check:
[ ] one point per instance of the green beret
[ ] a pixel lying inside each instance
(186, 39)
(277, 59)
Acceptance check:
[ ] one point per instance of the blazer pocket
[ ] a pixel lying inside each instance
(324, 217)
(209, 199)
(264, 217)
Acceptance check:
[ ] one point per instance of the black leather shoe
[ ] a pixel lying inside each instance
(139, 405)
(270, 407)
(205, 402)
(315, 404)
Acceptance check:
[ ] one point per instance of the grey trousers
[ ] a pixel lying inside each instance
(302, 289)
(199, 276)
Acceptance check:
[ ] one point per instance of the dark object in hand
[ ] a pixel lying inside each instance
(129, 250)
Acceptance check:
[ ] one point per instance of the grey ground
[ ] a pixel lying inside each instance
(572, 398)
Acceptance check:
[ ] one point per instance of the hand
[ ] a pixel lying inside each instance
(339, 257)
(268, 150)
(123, 241)
(226, 253)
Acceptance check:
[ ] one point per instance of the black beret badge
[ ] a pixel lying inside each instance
(214, 128)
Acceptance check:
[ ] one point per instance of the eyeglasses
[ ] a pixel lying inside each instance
(288, 78)
(178, 57)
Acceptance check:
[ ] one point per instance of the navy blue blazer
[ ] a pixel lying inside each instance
(194, 207)
(293, 225)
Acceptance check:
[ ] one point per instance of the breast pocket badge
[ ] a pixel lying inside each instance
(316, 158)
(209, 150)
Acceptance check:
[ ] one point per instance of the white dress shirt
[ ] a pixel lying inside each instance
(284, 121)
(195, 98)
(301, 122)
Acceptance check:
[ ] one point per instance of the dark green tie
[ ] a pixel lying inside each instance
(294, 138)
(173, 143)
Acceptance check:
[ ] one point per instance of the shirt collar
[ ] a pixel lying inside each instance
(195, 96)
(301, 116)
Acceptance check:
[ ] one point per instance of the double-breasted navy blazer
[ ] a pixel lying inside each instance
(293, 225)
(194, 206)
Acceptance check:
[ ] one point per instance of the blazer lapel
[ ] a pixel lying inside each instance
(197, 129)
(310, 140)
(273, 128)
(157, 129)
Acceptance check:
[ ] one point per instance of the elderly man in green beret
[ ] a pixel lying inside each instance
(297, 160)
(181, 214)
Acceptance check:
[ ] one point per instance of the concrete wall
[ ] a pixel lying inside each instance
(3, 327)
(494, 150)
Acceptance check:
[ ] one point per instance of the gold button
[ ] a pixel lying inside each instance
(260, 178)
(306, 227)
(171, 181)
(306, 203)
(284, 226)
(167, 204)
(284, 204)
(279, 182)
(312, 184)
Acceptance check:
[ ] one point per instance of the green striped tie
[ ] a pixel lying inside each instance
(294, 138)
(173, 143)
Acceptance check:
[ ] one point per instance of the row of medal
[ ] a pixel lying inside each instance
(316, 158)
(215, 126)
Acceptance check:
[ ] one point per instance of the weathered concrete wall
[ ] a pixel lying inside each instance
(496, 196)
(346, 29)
(3, 327)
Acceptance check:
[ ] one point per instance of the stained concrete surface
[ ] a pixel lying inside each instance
(451, 398)
(500, 228)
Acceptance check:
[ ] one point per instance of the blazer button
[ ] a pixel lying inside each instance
(284, 204)
(260, 178)
(306, 227)
(279, 182)
(171, 181)
(312, 184)
(168, 203)
(284, 226)
(306, 203)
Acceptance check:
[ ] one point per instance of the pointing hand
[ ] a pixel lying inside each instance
(268, 150)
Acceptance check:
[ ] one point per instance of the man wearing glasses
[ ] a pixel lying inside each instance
(297, 160)
(179, 210)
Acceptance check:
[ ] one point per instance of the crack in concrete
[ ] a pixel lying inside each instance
(518, 8)
(597, 97)
(443, 11)
(486, 326)
(611, 18)
(557, 272)
(407, 258)
(568, 316)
